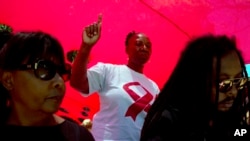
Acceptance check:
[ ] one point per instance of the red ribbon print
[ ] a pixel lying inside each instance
(141, 103)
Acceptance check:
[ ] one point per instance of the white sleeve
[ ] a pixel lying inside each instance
(96, 76)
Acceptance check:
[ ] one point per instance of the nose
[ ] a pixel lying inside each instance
(142, 47)
(233, 92)
(58, 81)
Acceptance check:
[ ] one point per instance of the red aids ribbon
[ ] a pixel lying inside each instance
(141, 103)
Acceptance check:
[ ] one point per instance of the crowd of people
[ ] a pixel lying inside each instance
(206, 97)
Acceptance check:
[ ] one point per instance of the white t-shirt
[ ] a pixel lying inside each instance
(125, 97)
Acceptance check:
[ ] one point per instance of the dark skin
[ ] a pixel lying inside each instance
(138, 50)
(90, 36)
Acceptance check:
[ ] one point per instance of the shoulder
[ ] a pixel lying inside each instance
(107, 64)
(163, 125)
(154, 84)
(73, 130)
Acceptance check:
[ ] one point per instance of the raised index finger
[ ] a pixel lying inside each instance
(99, 18)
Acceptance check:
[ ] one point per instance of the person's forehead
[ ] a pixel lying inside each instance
(53, 58)
(140, 36)
(230, 60)
(230, 64)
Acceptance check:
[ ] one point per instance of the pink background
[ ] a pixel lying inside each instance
(168, 23)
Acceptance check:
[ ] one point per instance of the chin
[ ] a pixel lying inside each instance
(224, 109)
(51, 108)
(142, 61)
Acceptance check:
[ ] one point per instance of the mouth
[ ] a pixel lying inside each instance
(144, 53)
(55, 98)
(227, 104)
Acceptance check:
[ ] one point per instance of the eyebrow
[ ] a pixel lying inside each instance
(226, 75)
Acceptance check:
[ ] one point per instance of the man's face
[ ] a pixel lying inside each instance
(230, 73)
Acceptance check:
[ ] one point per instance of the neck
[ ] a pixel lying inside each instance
(34, 120)
(136, 67)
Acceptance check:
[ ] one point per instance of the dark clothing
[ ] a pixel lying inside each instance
(66, 131)
(170, 127)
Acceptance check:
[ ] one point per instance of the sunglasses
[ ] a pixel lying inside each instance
(46, 70)
(226, 85)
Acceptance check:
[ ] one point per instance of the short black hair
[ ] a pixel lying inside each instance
(129, 35)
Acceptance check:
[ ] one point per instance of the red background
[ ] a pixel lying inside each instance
(168, 23)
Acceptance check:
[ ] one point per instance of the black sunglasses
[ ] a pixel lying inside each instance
(46, 70)
(226, 85)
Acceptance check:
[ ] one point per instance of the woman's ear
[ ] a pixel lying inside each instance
(7, 80)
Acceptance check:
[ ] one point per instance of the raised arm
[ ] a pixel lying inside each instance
(90, 36)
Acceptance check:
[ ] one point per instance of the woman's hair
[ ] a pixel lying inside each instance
(26, 47)
(188, 90)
